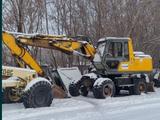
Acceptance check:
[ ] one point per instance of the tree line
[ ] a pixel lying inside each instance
(138, 19)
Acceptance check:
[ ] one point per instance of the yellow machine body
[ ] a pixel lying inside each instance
(136, 63)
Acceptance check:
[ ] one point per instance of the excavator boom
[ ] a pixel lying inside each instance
(10, 41)
(68, 45)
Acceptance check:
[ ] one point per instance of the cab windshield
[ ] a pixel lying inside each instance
(101, 48)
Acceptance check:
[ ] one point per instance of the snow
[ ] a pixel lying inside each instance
(99, 53)
(106, 38)
(101, 39)
(34, 81)
(99, 81)
(147, 78)
(157, 75)
(97, 58)
(79, 54)
(83, 42)
(125, 107)
(144, 107)
(141, 54)
(138, 53)
(21, 34)
(91, 75)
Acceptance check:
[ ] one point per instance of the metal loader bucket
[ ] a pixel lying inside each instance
(58, 92)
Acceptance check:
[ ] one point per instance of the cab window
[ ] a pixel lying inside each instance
(115, 49)
(126, 51)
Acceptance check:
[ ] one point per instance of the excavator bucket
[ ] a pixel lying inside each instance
(62, 78)
(58, 92)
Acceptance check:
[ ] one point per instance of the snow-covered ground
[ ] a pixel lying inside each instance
(143, 107)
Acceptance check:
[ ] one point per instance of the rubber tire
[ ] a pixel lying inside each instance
(74, 90)
(39, 95)
(98, 89)
(84, 91)
(136, 90)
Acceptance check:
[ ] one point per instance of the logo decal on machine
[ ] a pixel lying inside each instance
(124, 66)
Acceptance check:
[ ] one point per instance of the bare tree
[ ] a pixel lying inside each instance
(138, 19)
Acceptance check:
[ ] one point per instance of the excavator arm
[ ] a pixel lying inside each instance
(68, 45)
(64, 44)
(20, 52)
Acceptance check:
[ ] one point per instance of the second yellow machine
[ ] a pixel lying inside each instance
(116, 67)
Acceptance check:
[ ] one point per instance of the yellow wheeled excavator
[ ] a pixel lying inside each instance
(116, 66)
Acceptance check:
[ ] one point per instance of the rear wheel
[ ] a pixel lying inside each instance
(39, 95)
(105, 89)
(140, 87)
(74, 90)
(80, 88)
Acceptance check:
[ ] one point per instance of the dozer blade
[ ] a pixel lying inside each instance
(150, 87)
(58, 92)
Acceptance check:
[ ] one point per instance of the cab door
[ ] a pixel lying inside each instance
(113, 55)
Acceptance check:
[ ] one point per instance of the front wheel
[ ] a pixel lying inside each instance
(74, 90)
(105, 89)
(39, 95)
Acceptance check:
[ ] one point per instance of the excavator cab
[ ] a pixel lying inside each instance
(115, 52)
(116, 56)
(117, 67)
(110, 52)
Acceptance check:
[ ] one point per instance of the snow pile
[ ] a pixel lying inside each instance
(141, 107)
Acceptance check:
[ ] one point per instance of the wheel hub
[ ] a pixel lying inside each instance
(142, 88)
(107, 91)
(41, 97)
